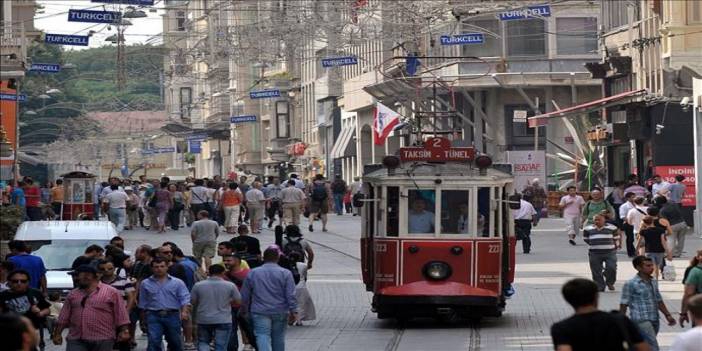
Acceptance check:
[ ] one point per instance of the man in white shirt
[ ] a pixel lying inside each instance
(524, 217)
(628, 229)
(659, 187)
(572, 206)
(691, 340)
(298, 183)
(293, 200)
(116, 200)
(636, 214)
(420, 221)
(255, 203)
(198, 197)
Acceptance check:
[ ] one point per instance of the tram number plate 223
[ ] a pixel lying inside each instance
(381, 247)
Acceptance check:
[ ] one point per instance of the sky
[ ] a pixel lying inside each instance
(54, 20)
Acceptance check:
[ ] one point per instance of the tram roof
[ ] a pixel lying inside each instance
(447, 171)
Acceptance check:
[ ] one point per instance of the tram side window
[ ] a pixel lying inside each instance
(484, 212)
(393, 208)
(420, 214)
(455, 212)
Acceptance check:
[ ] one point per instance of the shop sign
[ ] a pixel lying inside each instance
(527, 12)
(264, 94)
(297, 149)
(437, 150)
(89, 16)
(339, 61)
(668, 174)
(519, 116)
(242, 119)
(527, 165)
(462, 39)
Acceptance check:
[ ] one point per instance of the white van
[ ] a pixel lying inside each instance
(58, 243)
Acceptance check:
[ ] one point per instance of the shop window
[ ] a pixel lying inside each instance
(576, 36)
(526, 37)
(455, 212)
(393, 211)
(420, 213)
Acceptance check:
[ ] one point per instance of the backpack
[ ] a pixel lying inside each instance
(294, 248)
(292, 267)
(358, 199)
(339, 187)
(319, 191)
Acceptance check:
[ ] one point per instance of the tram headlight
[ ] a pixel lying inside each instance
(437, 270)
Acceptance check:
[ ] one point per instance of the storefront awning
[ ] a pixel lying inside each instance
(342, 142)
(542, 119)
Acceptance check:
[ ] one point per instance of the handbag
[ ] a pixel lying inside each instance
(669, 272)
(206, 205)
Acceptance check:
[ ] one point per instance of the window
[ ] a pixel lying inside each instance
(393, 210)
(455, 212)
(186, 98)
(520, 127)
(576, 36)
(492, 46)
(180, 21)
(282, 118)
(694, 12)
(420, 213)
(486, 213)
(526, 37)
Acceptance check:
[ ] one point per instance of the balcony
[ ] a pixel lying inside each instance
(13, 48)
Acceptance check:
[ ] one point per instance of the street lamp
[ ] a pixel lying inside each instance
(53, 91)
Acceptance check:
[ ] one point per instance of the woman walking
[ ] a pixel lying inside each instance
(655, 243)
(178, 205)
(164, 202)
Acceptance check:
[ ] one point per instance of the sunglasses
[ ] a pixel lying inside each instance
(19, 281)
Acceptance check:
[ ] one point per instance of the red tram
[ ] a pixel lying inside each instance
(78, 190)
(437, 238)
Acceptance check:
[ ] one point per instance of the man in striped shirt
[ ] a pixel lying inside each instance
(604, 240)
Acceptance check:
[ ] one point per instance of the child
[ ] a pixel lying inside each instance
(348, 202)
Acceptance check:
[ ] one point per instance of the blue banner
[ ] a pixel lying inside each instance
(127, 2)
(462, 39)
(65, 39)
(242, 119)
(264, 94)
(89, 16)
(45, 67)
(12, 97)
(159, 150)
(339, 61)
(202, 136)
(194, 146)
(528, 12)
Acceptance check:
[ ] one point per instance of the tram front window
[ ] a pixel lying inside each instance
(420, 217)
(455, 212)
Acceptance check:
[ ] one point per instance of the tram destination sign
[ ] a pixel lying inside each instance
(437, 150)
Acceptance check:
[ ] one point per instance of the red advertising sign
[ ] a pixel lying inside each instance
(437, 150)
(668, 174)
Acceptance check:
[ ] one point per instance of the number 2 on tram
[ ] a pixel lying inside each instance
(437, 235)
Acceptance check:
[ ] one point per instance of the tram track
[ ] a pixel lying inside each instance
(333, 249)
(474, 337)
(394, 343)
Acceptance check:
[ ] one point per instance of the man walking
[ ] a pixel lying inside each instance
(255, 204)
(524, 216)
(126, 289)
(338, 191)
(691, 339)
(56, 198)
(268, 295)
(212, 300)
(678, 226)
(677, 190)
(595, 206)
(643, 299)
(34, 265)
(204, 236)
(274, 206)
(293, 200)
(319, 201)
(625, 226)
(94, 313)
(659, 187)
(589, 328)
(535, 194)
(604, 240)
(572, 205)
(116, 201)
(165, 301)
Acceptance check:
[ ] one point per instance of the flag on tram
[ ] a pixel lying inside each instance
(383, 123)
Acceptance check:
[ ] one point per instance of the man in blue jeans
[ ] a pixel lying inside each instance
(165, 301)
(212, 300)
(338, 190)
(268, 295)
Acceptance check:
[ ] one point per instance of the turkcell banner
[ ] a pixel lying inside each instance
(462, 39)
(196, 137)
(45, 67)
(13, 97)
(242, 119)
(339, 61)
(160, 150)
(194, 146)
(65, 39)
(527, 12)
(127, 2)
(264, 94)
(90, 16)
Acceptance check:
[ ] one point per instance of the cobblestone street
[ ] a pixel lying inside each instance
(345, 321)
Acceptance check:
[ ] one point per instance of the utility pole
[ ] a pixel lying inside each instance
(121, 59)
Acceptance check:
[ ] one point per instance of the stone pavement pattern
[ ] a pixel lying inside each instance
(345, 321)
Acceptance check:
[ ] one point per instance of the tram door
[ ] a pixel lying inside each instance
(367, 239)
